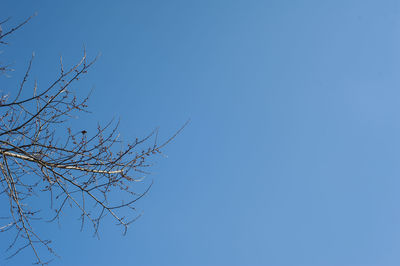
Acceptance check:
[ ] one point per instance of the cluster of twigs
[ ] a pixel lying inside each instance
(76, 168)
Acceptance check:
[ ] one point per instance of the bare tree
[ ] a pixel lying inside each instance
(39, 154)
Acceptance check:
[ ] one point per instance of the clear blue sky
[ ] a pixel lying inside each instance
(292, 156)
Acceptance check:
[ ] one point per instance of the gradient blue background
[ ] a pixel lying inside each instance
(292, 154)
